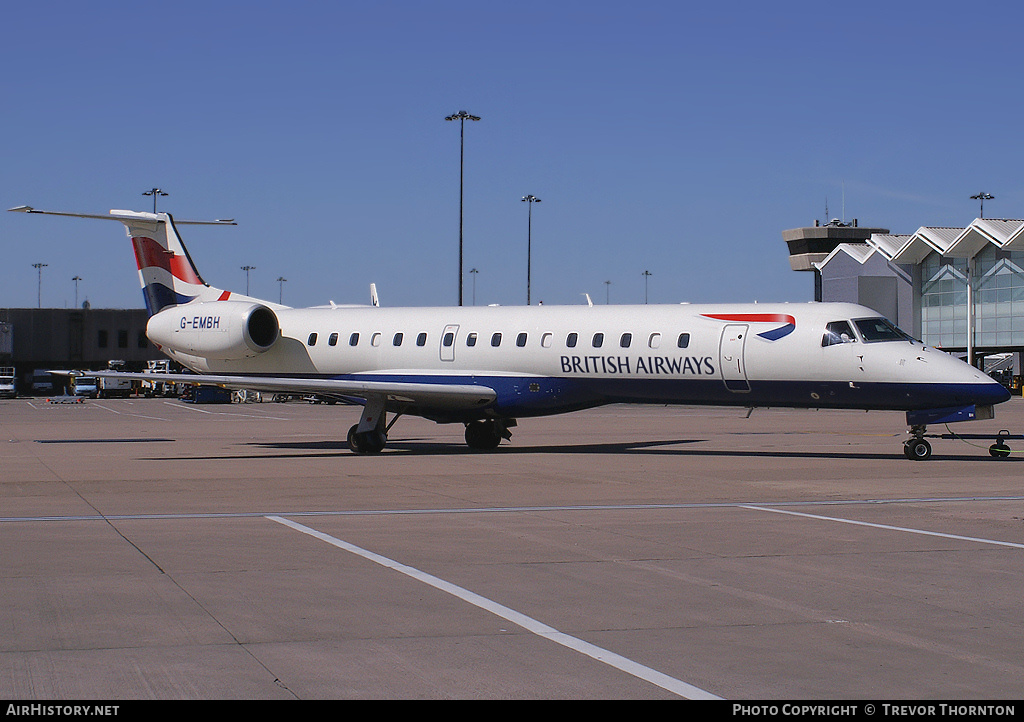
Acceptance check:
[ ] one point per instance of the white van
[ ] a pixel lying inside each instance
(8, 382)
(87, 386)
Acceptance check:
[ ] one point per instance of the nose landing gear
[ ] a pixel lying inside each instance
(917, 448)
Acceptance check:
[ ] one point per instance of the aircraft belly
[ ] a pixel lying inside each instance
(787, 393)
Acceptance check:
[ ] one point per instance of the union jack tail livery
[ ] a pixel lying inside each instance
(166, 271)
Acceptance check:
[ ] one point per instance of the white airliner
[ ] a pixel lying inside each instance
(486, 367)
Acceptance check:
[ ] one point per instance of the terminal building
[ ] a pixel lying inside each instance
(958, 289)
(73, 339)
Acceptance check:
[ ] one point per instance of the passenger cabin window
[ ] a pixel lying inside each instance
(448, 339)
(571, 339)
(654, 341)
(398, 339)
(683, 341)
(873, 330)
(837, 332)
(545, 340)
(496, 339)
(375, 340)
(421, 340)
(311, 341)
(471, 339)
(625, 340)
(353, 339)
(598, 340)
(521, 340)
(332, 340)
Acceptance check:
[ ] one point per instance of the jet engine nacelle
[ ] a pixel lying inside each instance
(216, 329)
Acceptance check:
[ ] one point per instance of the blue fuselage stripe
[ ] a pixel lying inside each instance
(518, 396)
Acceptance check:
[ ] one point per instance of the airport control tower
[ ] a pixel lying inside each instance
(811, 245)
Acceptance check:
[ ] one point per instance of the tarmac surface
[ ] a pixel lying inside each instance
(151, 549)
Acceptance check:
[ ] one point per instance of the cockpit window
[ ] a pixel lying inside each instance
(838, 332)
(873, 330)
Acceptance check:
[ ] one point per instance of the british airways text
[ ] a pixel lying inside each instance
(649, 365)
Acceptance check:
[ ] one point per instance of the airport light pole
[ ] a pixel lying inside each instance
(462, 116)
(280, 289)
(530, 200)
(247, 269)
(76, 279)
(154, 192)
(607, 292)
(982, 197)
(646, 275)
(39, 267)
(474, 272)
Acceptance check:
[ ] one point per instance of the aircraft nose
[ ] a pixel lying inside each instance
(992, 393)
(976, 386)
(984, 390)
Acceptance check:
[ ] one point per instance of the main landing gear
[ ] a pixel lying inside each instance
(370, 435)
(917, 448)
(367, 442)
(486, 434)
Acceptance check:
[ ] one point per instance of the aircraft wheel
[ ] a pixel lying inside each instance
(917, 449)
(999, 450)
(482, 435)
(368, 442)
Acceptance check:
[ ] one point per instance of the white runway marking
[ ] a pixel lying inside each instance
(528, 623)
(122, 413)
(923, 532)
(193, 408)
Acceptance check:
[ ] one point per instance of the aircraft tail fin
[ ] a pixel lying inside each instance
(167, 273)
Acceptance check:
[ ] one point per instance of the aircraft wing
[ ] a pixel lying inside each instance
(432, 395)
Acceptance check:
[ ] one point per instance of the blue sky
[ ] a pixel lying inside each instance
(672, 137)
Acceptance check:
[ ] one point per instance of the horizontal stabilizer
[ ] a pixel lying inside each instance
(118, 215)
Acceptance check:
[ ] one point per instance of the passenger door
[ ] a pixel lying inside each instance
(730, 357)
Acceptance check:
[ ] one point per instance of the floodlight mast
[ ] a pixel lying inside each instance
(982, 197)
(529, 232)
(39, 267)
(462, 116)
(247, 269)
(154, 192)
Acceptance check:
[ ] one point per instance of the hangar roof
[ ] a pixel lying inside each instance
(966, 242)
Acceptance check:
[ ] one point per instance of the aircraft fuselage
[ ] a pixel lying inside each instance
(550, 359)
